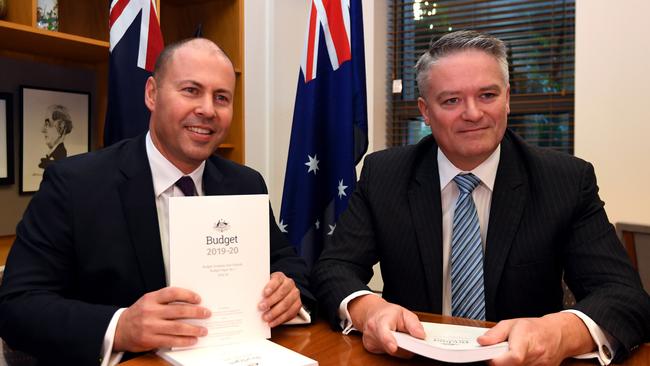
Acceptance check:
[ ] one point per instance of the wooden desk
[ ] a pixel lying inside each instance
(331, 348)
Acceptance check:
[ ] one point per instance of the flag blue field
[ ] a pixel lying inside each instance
(329, 134)
(136, 41)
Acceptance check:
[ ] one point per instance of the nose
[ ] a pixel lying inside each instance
(206, 107)
(472, 111)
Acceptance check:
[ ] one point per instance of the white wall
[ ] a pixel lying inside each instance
(274, 39)
(612, 102)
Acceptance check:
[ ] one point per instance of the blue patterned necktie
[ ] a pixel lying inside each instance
(467, 291)
(186, 185)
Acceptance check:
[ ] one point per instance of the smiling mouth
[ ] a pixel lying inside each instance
(474, 130)
(199, 130)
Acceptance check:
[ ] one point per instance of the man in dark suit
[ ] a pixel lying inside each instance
(534, 217)
(85, 279)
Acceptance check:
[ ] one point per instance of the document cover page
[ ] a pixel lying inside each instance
(219, 248)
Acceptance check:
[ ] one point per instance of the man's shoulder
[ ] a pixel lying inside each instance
(100, 163)
(402, 157)
(107, 155)
(544, 157)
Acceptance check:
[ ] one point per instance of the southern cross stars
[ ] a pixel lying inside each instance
(342, 188)
(312, 164)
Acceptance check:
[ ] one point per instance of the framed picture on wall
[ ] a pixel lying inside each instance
(54, 124)
(6, 140)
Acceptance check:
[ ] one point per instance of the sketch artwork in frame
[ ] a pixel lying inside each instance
(6, 140)
(55, 124)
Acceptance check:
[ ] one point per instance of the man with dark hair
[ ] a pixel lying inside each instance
(86, 276)
(474, 222)
(56, 126)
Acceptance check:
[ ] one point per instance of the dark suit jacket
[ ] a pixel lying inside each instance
(89, 244)
(546, 219)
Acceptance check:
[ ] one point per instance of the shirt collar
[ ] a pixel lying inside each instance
(486, 171)
(165, 174)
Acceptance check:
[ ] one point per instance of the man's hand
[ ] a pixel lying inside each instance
(280, 300)
(154, 321)
(376, 318)
(540, 341)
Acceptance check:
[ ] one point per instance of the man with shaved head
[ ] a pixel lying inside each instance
(86, 279)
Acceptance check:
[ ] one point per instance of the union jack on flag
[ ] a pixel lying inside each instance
(136, 42)
(329, 133)
(336, 28)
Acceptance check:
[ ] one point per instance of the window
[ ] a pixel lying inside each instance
(539, 35)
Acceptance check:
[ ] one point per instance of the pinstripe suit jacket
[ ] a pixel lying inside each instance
(546, 219)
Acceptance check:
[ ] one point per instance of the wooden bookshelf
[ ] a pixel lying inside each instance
(37, 42)
(5, 245)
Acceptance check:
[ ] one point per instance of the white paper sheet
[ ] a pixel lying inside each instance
(219, 248)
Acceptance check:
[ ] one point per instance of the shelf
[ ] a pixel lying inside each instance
(25, 39)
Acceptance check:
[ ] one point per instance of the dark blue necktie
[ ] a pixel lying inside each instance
(467, 291)
(186, 185)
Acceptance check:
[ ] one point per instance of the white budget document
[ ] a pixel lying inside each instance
(219, 248)
(450, 343)
(254, 353)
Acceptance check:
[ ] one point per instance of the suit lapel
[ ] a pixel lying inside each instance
(139, 205)
(424, 201)
(508, 201)
(213, 180)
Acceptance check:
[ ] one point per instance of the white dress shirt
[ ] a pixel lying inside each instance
(482, 196)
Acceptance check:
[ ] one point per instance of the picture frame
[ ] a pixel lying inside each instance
(55, 124)
(6, 139)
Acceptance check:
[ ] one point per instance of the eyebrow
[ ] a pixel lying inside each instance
(491, 87)
(199, 85)
(188, 81)
(447, 93)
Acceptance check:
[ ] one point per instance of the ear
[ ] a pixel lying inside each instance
(150, 92)
(424, 110)
(508, 99)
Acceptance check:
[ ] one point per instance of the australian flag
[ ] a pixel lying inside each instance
(329, 134)
(136, 41)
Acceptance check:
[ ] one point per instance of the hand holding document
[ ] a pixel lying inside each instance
(450, 343)
(219, 248)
